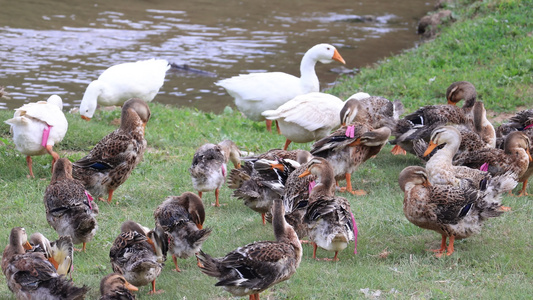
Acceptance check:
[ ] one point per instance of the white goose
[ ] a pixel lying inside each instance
(37, 127)
(254, 93)
(117, 84)
(308, 117)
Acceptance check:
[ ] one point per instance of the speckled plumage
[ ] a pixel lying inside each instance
(31, 276)
(112, 160)
(69, 210)
(182, 218)
(328, 217)
(115, 287)
(137, 255)
(456, 212)
(380, 111)
(209, 166)
(253, 268)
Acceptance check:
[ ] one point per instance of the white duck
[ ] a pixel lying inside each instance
(37, 127)
(141, 79)
(254, 93)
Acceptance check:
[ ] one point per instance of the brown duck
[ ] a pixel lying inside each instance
(115, 287)
(70, 209)
(112, 160)
(182, 218)
(456, 212)
(253, 268)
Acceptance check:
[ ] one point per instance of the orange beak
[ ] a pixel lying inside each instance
(200, 226)
(338, 57)
(27, 246)
(430, 148)
(305, 173)
(426, 183)
(131, 287)
(151, 242)
(238, 166)
(357, 142)
(85, 118)
(53, 262)
(278, 166)
(451, 102)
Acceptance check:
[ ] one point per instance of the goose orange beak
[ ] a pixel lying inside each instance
(337, 56)
(430, 148)
(305, 173)
(85, 118)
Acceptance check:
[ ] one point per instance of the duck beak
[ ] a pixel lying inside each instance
(529, 154)
(85, 118)
(53, 262)
(451, 103)
(357, 142)
(305, 173)
(131, 287)
(430, 148)
(27, 246)
(338, 57)
(426, 183)
(238, 166)
(200, 226)
(278, 166)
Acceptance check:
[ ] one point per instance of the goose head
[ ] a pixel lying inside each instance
(90, 99)
(324, 53)
(411, 176)
(443, 135)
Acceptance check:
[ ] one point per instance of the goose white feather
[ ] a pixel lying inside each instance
(117, 84)
(257, 92)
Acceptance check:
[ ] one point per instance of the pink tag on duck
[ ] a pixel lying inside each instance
(350, 131)
(46, 134)
(90, 199)
(355, 232)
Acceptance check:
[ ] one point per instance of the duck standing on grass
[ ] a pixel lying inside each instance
(209, 166)
(37, 127)
(138, 253)
(182, 218)
(30, 275)
(253, 268)
(256, 92)
(456, 212)
(112, 160)
(329, 219)
(70, 209)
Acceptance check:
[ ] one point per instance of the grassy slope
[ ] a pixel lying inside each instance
(392, 256)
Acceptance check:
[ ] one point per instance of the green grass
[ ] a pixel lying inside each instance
(481, 47)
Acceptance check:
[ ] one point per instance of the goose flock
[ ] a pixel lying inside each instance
(469, 165)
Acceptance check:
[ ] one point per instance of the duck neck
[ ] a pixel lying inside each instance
(324, 186)
(308, 79)
(282, 230)
(447, 153)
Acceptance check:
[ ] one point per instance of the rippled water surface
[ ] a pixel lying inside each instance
(59, 47)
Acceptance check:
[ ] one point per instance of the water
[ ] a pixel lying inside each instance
(59, 47)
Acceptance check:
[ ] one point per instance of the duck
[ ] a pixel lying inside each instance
(330, 222)
(209, 166)
(139, 253)
(115, 287)
(521, 121)
(439, 167)
(380, 111)
(182, 218)
(59, 252)
(265, 183)
(29, 275)
(420, 124)
(37, 127)
(455, 212)
(253, 268)
(514, 158)
(350, 146)
(257, 92)
(111, 161)
(70, 209)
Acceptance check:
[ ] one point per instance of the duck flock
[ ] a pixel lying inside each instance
(469, 165)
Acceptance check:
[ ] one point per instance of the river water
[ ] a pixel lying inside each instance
(59, 47)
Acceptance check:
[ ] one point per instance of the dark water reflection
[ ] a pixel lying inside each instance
(59, 47)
